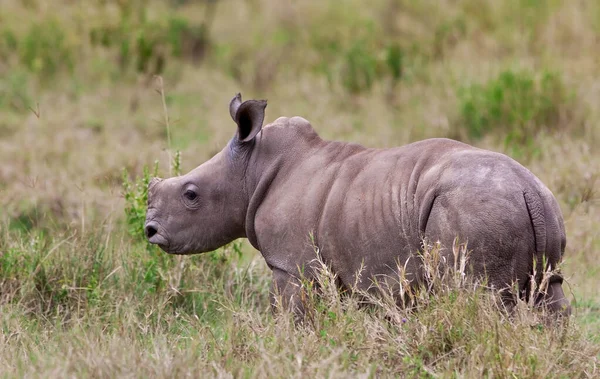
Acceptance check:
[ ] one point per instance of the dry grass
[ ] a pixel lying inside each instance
(80, 297)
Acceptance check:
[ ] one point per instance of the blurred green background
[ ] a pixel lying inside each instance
(80, 103)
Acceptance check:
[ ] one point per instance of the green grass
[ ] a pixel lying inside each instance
(516, 102)
(83, 294)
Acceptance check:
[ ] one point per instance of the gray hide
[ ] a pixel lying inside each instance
(285, 189)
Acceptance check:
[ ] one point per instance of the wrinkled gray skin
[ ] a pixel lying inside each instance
(369, 208)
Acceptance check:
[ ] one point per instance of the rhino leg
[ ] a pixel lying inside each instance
(287, 294)
(498, 234)
(499, 246)
(554, 299)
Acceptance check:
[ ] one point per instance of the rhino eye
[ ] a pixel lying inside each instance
(190, 195)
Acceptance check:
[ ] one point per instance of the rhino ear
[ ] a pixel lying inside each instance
(234, 105)
(248, 116)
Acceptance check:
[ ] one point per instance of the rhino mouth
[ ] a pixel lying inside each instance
(160, 241)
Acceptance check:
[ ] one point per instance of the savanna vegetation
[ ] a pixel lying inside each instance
(85, 120)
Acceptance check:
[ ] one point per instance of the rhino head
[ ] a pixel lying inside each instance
(206, 208)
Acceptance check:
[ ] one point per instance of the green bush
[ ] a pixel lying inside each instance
(364, 65)
(8, 43)
(516, 105)
(150, 44)
(360, 68)
(447, 35)
(14, 90)
(136, 200)
(44, 49)
(395, 60)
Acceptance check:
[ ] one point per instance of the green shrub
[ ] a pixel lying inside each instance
(8, 43)
(516, 105)
(360, 68)
(45, 50)
(395, 61)
(136, 200)
(364, 65)
(150, 44)
(447, 35)
(14, 90)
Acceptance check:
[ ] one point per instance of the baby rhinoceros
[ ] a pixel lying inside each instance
(290, 192)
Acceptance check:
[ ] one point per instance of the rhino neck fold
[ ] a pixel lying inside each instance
(258, 183)
(278, 149)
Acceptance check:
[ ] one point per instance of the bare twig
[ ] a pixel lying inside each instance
(36, 111)
(161, 91)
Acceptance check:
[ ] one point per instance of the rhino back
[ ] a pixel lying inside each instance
(374, 218)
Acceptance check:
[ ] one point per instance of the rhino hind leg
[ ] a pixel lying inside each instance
(554, 299)
(503, 256)
(499, 246)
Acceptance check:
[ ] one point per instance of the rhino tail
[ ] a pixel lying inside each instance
(536, 210)
(550, 242)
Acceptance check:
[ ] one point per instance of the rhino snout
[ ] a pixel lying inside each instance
(151, 229)
(154, 235)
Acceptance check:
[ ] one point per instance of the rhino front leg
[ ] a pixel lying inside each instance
(287, 294)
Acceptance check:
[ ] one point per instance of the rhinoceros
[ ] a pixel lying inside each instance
(367, 211)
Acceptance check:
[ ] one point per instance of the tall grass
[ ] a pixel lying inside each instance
(106, 316)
